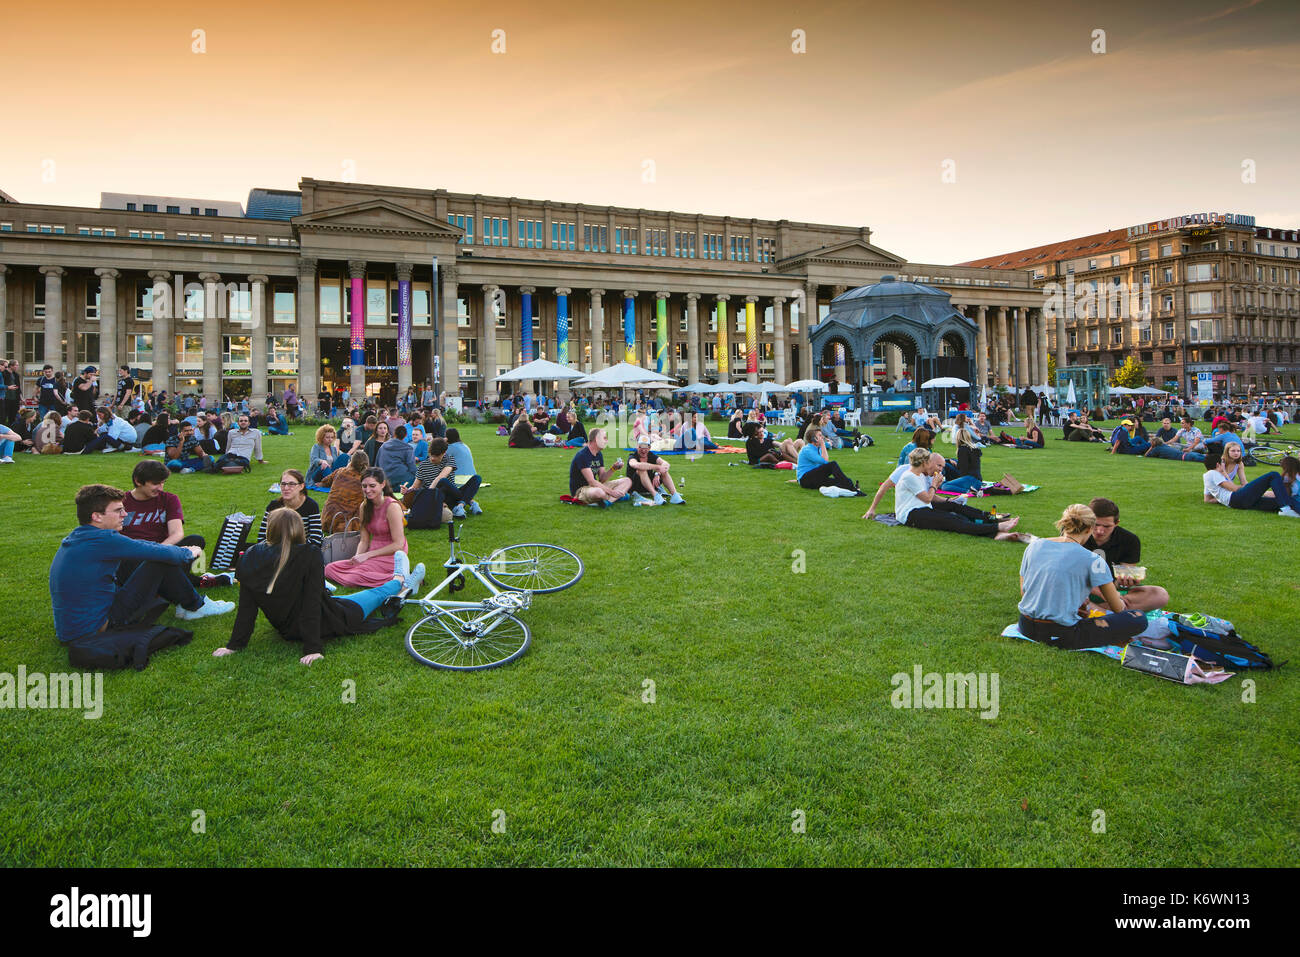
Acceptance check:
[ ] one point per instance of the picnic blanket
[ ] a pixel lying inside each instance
(1156, 627)
(887, 518)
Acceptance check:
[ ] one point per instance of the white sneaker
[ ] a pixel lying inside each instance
(7, 460)
(415, 579)
(330, 586)
(207, 610)
(1288, 511)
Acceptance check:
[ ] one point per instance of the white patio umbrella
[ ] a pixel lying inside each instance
(945, 383)
(1069, 395)
(1121, 390)
(540, 369)
(624, 374)
(806, 385)
(697, 387)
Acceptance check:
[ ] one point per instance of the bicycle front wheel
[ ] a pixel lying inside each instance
(467, 639)
(533, 567)
(1266, 453)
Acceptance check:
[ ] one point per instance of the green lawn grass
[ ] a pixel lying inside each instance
(771, 692)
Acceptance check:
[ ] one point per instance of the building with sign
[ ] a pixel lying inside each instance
(375, 288)
(1201, 293)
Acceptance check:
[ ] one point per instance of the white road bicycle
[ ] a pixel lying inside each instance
(474, 635)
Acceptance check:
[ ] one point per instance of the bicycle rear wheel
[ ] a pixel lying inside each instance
(1267, 454)
(533, 567)
(467, 639)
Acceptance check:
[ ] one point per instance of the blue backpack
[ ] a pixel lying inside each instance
(1222, 645)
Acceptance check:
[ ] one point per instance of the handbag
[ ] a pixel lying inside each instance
(342, 545)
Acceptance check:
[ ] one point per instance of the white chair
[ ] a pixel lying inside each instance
(853, 419)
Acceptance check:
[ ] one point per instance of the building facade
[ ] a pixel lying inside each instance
(1205, 293)
(376, 288)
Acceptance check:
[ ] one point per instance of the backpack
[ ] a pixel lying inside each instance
(1222, 646)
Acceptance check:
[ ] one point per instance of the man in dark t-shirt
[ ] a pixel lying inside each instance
(85, 389)
(1122, 547)
(649, 473)
(152, 514)
(125, 386)
(76, 435)
(589, 479)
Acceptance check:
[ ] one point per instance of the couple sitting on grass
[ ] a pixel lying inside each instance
(1225, 482)
(591, 483)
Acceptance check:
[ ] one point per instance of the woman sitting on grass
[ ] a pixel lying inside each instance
(917, 504)
(1270, 492)
(284, 579)
(815, 470)
(326, 455)
(383, 534)
(293, 495)
(382, 435)
(1056, 577)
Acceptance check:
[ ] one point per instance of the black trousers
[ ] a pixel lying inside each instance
(454, 494)
(951, 517)
(189, 600)
(1118, 628)
(828, 474)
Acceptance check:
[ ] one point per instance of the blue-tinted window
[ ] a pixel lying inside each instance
(173, 209)
(151, 207)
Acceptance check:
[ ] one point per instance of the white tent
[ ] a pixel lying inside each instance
(1069, 395)
(1121, 390)
(1148, 390)
(540, 370)
(697, 387)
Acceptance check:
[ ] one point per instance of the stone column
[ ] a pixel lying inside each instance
(4, 312)
(751, 340)
(1004, 350)
(403, 271)
(1042, 347)
(597, 331)
(809, 320)
(450, 331)
(663, 358)
(211, 338)
(981, 350)
(357, 359)
(694, 341)
(54, 318)
(782, 328)
(107, 324)
(1062, 340)
(164, 342)
(257, 342)
(1022, 348)
(722, 318)
(488, 343)
(308, 340)
(526, 346)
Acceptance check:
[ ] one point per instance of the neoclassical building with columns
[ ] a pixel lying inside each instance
(376, 288)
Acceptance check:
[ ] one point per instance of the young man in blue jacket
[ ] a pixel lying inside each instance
(86, 598)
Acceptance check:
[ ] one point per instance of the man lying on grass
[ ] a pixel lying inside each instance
(1269, 492)
(589, 480)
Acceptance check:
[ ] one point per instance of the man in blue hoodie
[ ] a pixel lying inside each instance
(83, 590)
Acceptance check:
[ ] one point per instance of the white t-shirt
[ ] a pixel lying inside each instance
(1213, 485)
(905, 500)
(898, 473)
(1259, 424)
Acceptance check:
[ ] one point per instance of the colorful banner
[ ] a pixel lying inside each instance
(358, 294)
(629, 329)
(526, 325)
(562, 329)
(661, 334)
(751, 340)
(404, 322)
(721, 321)
(840, 375)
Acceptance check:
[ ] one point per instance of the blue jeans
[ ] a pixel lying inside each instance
(372, 598)
(199, 465)
(320, 469)
(6, 448)
(1251, 495)
(278, 427)
(965, 484)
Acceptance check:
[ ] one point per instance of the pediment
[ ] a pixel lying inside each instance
(855, 252)
(375, 216)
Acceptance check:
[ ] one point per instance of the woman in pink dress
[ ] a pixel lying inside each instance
(382, 534)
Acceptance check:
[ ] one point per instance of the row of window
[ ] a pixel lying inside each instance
(595, 239)
(468, 353)
(235, 350)
(153, 208)
(764, 316)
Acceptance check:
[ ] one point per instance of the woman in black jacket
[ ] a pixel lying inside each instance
(284, 578)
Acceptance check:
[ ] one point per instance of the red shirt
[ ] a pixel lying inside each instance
(147, 520)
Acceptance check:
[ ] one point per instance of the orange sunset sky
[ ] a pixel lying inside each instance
(1047, 138)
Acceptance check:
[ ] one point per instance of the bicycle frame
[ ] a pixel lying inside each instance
(496, 604)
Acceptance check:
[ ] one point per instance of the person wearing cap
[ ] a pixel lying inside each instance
(648, 472)
(1124, 442)
(85, 389)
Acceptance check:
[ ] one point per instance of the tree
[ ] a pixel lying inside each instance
(1131, 375)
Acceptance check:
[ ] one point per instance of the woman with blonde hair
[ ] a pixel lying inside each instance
(1056, 577)
(326, 455)
(284, 579)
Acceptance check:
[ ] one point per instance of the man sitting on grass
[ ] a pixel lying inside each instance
(86, 597)
(918, 505)
(760, 449)
(589, 479)
(1124, 442)
(1121, 547)
(188, 455)
(648, 473)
